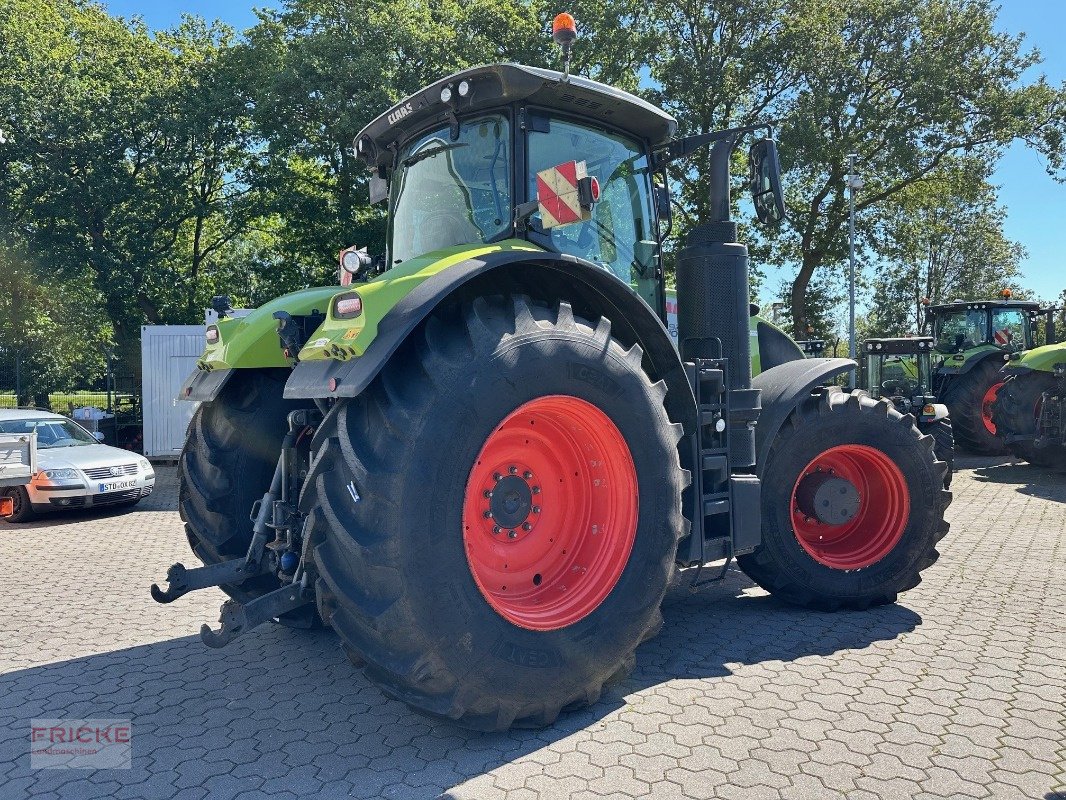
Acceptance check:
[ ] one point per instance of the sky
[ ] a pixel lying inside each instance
(1035, 202)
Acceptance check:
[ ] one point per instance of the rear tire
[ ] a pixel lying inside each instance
(967, 399)
(1015, 412)
(23, 510)
(231, 448)
(884, 547)
(396, 548)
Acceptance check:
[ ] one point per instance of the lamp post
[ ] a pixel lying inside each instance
(854, 182)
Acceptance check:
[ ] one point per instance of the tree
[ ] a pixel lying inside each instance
(905, 86)
(943, 239)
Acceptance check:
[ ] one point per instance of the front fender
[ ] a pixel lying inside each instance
(1039, 359)
(591, 290)
(961, 363)
(784, 387)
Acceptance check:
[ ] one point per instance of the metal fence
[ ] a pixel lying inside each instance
(114, 410)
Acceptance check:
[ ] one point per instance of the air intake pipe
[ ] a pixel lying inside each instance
(713, 316)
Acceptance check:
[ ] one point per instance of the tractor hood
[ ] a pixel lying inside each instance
(1039, 359)
(496, 85)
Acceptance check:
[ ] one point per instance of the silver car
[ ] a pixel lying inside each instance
(74, 470)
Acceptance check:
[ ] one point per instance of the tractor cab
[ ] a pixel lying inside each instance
(961, 326)
(508, 151)
(901, 371)
(511, 152)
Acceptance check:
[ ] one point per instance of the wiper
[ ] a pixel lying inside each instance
(433, 151)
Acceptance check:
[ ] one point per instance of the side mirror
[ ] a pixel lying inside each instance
(765, 179)
(663, 207)
(98, 435)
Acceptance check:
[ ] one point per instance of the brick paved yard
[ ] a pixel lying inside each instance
(957, 691)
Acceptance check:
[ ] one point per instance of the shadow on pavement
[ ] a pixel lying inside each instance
(1027, 479)
(284, 709)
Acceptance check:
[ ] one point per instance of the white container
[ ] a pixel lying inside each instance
(18, 458)
(168, 356)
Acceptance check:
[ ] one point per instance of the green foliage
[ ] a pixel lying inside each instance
(143, 172)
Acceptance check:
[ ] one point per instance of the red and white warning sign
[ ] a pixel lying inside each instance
(1003, 336)
(565, 194)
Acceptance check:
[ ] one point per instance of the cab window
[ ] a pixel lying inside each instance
(620, 236)
(961, 330)
(1009, 328)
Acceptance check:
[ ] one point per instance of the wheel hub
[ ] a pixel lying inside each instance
(510, 504)
(828, 498)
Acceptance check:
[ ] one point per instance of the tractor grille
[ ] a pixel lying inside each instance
(103, 473)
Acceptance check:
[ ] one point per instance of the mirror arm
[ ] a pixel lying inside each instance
(687, 145)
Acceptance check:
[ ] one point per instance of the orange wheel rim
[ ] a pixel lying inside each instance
(850, 506)
(986, 406)
(550, 512)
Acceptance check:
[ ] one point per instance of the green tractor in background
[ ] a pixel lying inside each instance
(483, 461)
(1030, 409)
(973, 340)
(901, 371)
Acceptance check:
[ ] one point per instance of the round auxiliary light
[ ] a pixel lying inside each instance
(351, 261)
(464, 88)
(446, 94)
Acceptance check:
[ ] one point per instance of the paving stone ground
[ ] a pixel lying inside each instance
(957, 691)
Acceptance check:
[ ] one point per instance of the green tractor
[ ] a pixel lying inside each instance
(1030, 409)
(483, 462)
(973, 340)
(901, 371)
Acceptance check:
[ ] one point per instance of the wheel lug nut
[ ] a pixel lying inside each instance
(513, 469)
(527, 474)
(488, 515)
(496, 476)
(488, 493)
(511, 534)
(496, 528)
(536, 490)
(526, 526)
(536, 509)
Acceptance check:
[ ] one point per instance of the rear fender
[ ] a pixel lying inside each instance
(250, 342)
(784, 388)
(590, 289)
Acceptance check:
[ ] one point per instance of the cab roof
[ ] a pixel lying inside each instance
(495, 85)
(966, 305)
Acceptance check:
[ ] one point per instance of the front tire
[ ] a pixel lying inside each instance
(1016, 412)
(853, 505)
(489, 409)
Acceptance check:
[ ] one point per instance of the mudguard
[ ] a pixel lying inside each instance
(591, 290)
(952, 366)
(1040, 359)
(784, 387)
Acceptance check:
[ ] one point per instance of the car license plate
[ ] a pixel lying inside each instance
(116, 486)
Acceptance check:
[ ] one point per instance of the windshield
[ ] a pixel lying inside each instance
(449, 192)
(961, 330)
(50, 432)
(899, 375)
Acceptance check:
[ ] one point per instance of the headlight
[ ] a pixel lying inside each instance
(60, 474)
(146, 466)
